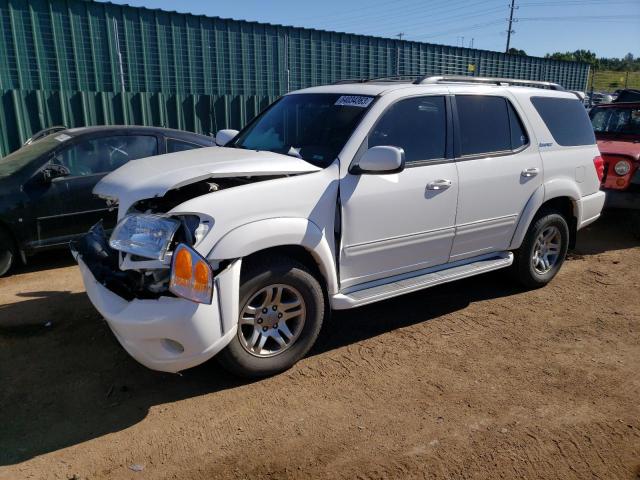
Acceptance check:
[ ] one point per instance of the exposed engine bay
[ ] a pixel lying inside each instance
(145, 283)
(180, 195)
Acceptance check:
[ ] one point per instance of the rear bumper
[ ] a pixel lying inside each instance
(622, 199)
(167, 334)
(590, 208)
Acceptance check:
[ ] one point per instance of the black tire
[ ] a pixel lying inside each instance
(7, 253)
(524, 269)
(256, 276)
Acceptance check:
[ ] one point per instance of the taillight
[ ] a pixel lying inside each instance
(599, 164)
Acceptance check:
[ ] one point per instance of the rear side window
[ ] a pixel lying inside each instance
(485, 124)
(417, 125)
(566, 119)
(174, 145)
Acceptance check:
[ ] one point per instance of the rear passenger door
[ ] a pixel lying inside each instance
(498, 168)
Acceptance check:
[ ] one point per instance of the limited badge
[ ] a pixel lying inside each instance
(354, 101)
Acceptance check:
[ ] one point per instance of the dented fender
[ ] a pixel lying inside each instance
(276, 232)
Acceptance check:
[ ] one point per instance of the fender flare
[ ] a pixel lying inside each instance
(545, 192)
(277, 232)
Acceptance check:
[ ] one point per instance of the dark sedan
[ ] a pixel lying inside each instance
(45, 187)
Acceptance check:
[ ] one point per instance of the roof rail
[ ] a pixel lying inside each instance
(426, 79)
(386, 78)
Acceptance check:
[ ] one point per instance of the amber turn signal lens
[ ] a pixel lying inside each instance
(191, 275)
(201, 275)
(182, 265)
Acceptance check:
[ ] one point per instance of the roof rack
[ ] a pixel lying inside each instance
(426, 79)
(386, 78)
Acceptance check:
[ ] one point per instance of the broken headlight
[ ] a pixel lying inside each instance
(144, 235)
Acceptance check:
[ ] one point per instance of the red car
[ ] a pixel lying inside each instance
(617, 129)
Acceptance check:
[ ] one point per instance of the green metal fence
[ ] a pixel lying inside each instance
(76, 62)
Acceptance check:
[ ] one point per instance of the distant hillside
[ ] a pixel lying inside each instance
(610, 80)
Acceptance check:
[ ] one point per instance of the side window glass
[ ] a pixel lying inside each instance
(566, 120)
(484, 124)
(417, 125)
(105, 154)
(519, 136)
(174, 145)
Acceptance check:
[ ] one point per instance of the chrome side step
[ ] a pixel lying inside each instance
(401, 284)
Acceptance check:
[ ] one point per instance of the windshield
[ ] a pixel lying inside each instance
(311, 126)
(22, 157)
(621, 120)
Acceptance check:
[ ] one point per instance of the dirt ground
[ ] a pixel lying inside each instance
(477, 379)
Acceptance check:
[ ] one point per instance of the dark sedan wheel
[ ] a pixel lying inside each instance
(7, 254)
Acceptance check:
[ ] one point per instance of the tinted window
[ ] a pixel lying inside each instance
(519, 136)
(101, 155)
(566, 119)
(417, 125)
(484, 124)
(174, 145)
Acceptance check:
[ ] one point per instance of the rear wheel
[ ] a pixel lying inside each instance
(543, 250)
(281, 313)
(7, 253)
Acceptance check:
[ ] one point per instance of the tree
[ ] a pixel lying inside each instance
(516, 51)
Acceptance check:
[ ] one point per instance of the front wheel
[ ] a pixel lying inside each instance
(281, 313)
(543, 250)
(7, 253)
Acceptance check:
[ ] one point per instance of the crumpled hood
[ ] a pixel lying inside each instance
(154, 176)
(620, 147)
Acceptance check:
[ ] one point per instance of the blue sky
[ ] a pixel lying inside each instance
(609, 28)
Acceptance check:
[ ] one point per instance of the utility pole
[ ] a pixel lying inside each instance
(399, 35)
(509, 30)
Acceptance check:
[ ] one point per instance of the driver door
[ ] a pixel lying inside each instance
(73, 207)
(402, 222)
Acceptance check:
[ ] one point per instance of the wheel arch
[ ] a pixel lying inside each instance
(566, 203)
(298, 238)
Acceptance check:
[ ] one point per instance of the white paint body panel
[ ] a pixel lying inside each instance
(392, 224)
(391, 227)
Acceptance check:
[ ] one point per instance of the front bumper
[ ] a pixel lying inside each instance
(169, 334)
(622, 199)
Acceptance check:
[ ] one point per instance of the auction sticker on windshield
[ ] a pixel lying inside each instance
(354, 101)
(62, 137)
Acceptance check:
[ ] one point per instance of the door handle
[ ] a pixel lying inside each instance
(530, 172)
(441, 184)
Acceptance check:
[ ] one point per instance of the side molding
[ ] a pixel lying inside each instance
(276, 232)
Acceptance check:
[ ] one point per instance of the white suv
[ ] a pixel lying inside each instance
(336, 197)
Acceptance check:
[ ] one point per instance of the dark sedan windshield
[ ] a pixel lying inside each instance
(22, 157)
(311, 126)
(622, 120)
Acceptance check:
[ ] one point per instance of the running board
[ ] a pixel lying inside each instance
(401, 284)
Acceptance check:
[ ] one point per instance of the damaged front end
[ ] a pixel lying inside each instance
(103, 262)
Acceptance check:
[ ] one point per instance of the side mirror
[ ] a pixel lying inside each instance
(382, 159)
(225, 136)
(54, 171)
